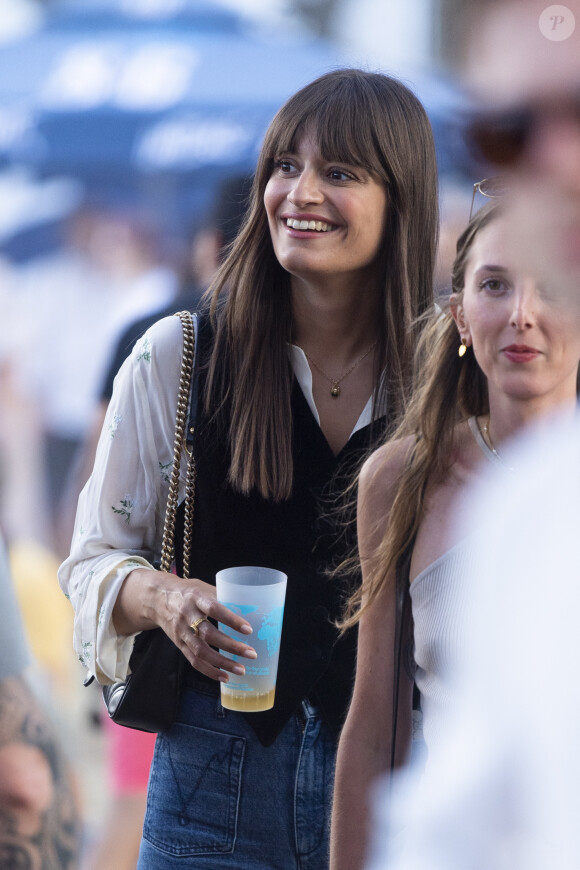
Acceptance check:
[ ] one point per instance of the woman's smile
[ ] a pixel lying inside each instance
(310, 223)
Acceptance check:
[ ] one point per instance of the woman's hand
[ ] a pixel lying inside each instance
(183, 608)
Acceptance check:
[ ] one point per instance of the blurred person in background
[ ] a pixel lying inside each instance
(306, 349)
(211, 242)
(40, 824)
(501, 790)
(128, 753)
(64, 313)
(208, 246)
(523, 68)
(63, 287)
(518, 359)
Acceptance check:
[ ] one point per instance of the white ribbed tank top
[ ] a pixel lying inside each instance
(438, 597)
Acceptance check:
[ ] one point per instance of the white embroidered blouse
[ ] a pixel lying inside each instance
(119, 523)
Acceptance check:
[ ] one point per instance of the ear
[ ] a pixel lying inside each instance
(458, 314)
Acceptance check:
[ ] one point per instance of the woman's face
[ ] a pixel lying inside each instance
(526, 338)
(326, 218)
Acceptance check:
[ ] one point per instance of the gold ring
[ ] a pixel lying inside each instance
(196, 623)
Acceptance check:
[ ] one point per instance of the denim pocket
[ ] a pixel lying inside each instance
(194, 792)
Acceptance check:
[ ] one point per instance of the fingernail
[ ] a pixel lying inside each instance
(246, 628)
(239, 669)
(250, 654)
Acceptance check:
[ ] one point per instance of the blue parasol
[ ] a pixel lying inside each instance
(153, 101)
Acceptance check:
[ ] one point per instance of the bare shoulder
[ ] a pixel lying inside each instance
(382, 470)
(377, 487)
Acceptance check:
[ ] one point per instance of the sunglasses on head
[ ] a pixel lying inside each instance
(501, 138)
(493, 187)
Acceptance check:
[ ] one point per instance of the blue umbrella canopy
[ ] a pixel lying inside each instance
(146, 102)
(100, 89)
(99, 13)
(156, 101)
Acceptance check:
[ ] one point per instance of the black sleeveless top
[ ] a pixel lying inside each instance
(301, 537)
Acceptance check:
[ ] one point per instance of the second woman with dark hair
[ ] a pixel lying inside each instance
(301, 363)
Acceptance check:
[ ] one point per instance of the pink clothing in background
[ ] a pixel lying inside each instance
(129, 755)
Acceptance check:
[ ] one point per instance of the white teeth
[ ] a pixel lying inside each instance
(319, 226)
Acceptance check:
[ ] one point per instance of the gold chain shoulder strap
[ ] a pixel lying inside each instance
(168, 544)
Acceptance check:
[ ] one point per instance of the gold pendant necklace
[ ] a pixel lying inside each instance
(335, 382)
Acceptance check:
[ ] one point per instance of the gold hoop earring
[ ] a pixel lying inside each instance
(462, 348)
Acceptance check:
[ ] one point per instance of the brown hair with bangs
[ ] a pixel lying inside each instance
(366, 119)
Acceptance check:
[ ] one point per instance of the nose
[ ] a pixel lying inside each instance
(306, 189)
(523, 314)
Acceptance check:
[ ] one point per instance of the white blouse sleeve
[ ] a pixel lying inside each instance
(119, 523)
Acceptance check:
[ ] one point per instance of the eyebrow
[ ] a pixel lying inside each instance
(492, 268)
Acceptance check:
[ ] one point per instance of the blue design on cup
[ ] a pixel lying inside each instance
(240, 609)
(271, 629)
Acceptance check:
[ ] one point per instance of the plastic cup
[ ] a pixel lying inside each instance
(258, 595)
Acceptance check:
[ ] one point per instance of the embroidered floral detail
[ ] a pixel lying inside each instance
(114, 424)
(144, 350)
(164, 469)
(127, 505)
(86, 652)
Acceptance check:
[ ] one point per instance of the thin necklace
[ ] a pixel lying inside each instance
(335, 382)
(483, 438)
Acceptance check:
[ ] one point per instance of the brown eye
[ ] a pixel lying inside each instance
(495, 286)
(337, 174)
(284, 166)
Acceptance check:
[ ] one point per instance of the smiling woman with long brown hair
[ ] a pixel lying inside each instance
(305, 352)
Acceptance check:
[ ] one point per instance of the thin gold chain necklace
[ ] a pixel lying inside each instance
(335, 382)
(482, 425)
